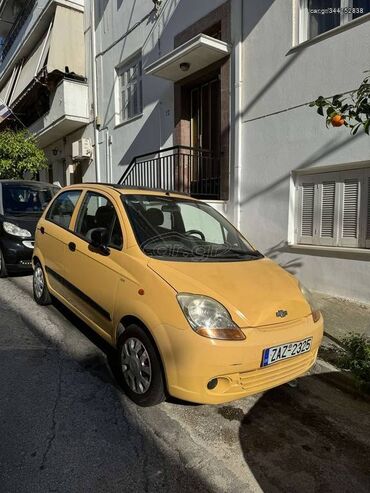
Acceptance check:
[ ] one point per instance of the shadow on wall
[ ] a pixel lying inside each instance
(150, 18)
(316, 156)
(149, 139)
(307, 439)
(292, 266)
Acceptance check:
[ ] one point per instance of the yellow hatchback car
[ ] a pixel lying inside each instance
(192, 308)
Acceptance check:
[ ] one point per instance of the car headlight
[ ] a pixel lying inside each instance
(314, 309)
(13, 229)
(208, 318)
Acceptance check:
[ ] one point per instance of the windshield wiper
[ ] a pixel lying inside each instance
(229, 252)
(250, 253)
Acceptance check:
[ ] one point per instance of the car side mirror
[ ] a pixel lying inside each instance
(99, 240)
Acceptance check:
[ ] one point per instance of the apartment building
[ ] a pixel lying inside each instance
(210, 97)
(44, 76)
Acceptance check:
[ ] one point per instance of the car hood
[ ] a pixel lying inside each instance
(253, 291)
(24, 221)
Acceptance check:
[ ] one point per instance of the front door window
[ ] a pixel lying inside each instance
(98, 212)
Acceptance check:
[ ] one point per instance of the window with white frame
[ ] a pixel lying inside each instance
(129, 89)
(333, 209)
(320, 16)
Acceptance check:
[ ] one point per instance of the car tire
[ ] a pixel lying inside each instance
(139, 368)
(3, 270)
(40, 289)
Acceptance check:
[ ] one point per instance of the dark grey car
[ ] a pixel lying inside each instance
(21, 205)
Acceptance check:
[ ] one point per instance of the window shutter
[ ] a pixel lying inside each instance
(307, 209)
(327, 213)
(350, 224)
(368, 213)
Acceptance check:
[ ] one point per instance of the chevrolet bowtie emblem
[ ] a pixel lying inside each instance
(281, 313)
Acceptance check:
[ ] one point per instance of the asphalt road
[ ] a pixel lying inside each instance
(65, 426)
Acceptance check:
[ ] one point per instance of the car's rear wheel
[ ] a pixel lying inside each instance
(3, 271)
(40, 289)
(139, 367)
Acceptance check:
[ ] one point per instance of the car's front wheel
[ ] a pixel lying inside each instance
(139, 367)
(3, 271)
(40, 289)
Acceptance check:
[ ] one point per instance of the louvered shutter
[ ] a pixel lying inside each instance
(327, 194)
(368, 212)
(349, 231)
(306, 213)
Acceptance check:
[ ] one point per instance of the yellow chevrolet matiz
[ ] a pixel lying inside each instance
(193, 310)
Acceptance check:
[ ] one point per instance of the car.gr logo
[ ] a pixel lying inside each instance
(281, 313)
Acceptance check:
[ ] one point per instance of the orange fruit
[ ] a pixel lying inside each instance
(337, 120)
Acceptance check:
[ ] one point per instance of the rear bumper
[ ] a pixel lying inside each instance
(17, 253)
(236, 365)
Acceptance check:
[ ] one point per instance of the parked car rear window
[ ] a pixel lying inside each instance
(62, 208)
(26, 198)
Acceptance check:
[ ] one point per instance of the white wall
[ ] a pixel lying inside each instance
(154, 129)
(292, 139)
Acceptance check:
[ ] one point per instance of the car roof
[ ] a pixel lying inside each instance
(130, 190)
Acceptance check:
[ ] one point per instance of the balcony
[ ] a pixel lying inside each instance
(178, 169)
(15, 15)
(69, 111)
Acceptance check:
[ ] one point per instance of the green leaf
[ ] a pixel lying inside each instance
(320, 111)
(367, 127)
(355, 129)
(330, 111)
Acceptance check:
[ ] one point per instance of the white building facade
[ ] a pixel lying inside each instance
(211, 97)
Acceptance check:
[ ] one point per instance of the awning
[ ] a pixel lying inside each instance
(30, 68)
(67, 42)
(55, 51)
(198, 53)
(5, 91)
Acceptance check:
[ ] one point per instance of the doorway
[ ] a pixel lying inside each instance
(205, 138)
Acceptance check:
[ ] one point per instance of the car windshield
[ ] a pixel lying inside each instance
(26, 198)
(174, 229)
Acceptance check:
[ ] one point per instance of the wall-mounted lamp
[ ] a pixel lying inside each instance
(55, 151)
(184, 66)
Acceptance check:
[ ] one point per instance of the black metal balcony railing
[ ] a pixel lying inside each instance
(179, 169)
(17, 26)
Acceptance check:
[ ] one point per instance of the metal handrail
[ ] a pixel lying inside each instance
(135, 159)
(186, 169)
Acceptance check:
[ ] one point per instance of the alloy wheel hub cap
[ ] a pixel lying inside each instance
(38, 281)
(136, 365)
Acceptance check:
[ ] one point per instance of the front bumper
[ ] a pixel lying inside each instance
(17, 253)
(237, 365)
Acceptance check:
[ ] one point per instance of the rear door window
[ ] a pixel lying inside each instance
(62, 208)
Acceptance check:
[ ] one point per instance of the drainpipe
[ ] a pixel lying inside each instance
(94, 89)
(238, 12)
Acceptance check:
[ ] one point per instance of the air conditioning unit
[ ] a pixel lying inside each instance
(81, 149)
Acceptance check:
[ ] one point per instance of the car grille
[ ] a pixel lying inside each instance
(268, 377)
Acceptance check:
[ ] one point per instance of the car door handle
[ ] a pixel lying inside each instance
(42, 230)
(72, 246)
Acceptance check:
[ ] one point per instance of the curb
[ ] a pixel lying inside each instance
(341, 380)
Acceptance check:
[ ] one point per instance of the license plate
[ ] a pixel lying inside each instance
(284, 351)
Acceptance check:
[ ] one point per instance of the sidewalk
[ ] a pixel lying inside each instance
(342, 316)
